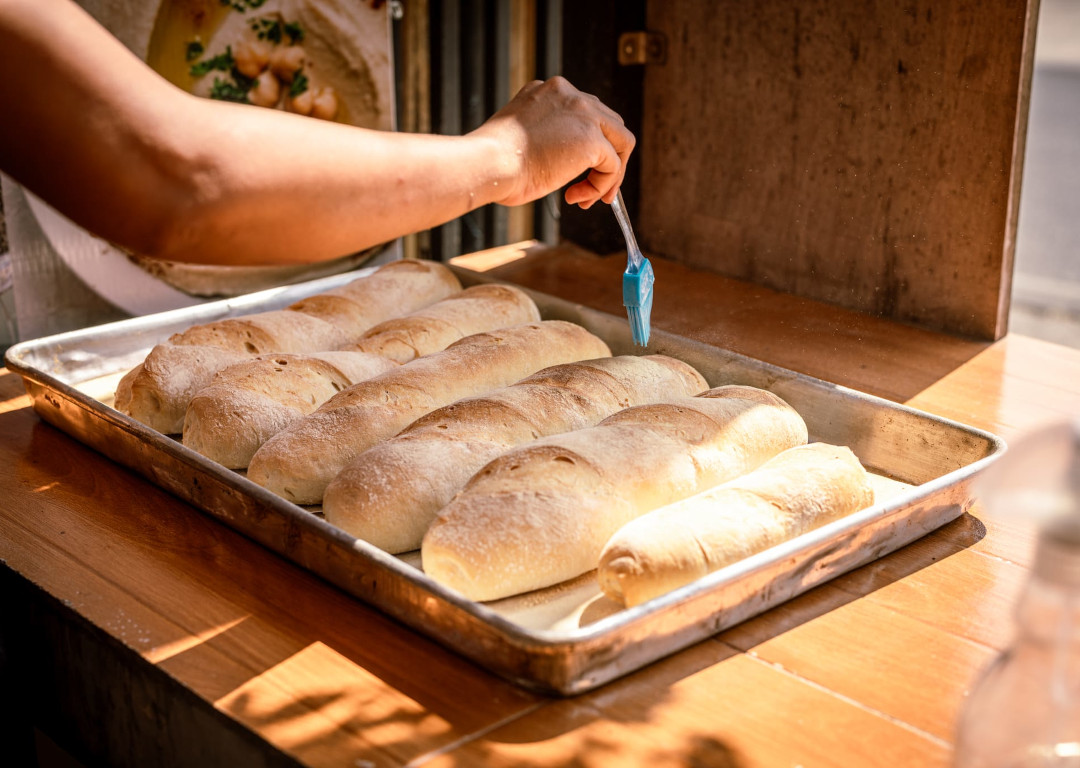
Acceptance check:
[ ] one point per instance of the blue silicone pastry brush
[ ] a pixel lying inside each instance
(637, 280)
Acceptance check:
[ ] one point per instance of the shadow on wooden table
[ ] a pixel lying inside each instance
(878, 574)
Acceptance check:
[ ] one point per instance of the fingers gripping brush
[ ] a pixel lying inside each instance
(637, 280)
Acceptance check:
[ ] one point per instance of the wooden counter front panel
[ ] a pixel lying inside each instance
(866, 154)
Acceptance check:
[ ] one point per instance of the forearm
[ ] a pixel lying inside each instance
(280, 188)
(166, 174)
(111, 144)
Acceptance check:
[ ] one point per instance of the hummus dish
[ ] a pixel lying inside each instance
(328, 59)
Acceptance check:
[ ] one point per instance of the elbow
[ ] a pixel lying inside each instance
(178, 221)
(175, 195)
(171, 233)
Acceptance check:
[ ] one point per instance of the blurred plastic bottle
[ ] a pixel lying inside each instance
(1024, 712)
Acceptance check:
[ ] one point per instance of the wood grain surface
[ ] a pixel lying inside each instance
(139, 631)
(866, 154)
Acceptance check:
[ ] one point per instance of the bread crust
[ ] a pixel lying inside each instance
(299, 462)
(248, 403)
(800, 489)
(540, 514)
(158, 391)
(391, 492)
(437, 326)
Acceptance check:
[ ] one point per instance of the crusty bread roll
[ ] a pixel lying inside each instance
(392, 290)
(157, 391)
(280, 330)
(390, 493)
(300, 461)
(801, 489)
(326, 321)
(248, 403)
(435, 327)
(540, 514)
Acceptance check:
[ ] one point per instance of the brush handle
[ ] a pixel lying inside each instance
(632, 251)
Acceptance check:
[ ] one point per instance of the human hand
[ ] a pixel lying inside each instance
(550, 133)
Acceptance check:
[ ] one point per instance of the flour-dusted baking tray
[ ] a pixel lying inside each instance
(570, 638)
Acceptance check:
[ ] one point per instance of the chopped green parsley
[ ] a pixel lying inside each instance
(242, 5)
(299, 84)
(223, 62)
(194, 50)
(295, 32)
(266, 29)
(275, 31)
(227, 90)
(243, 81)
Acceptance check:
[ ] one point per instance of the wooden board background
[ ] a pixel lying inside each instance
(862, 153)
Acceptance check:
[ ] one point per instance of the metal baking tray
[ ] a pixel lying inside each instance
(569, 638)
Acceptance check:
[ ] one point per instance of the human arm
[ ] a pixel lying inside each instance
(95, 132)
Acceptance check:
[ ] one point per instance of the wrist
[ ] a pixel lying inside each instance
(500, 164)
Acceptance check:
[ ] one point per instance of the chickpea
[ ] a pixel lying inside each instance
(252, 56)
(286, 61)
(324, 105)
(266, 92)
(303, 103)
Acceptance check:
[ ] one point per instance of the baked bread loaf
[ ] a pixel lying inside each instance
(540, 514)
(248, 403)
(157, 391)
(392, 290)
(435, 327)
(299, 462)
(280, 330)
(800, 489)
(390, 493)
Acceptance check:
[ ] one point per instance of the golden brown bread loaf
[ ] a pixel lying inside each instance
(391, 492)
(299, 462)
(392, 290)
(540, 514)
(157, 391)
(280, 330)
(801, 489)
(435, 327)
(248, 403)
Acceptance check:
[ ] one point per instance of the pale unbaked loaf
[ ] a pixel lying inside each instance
(391, 492)
(300, 461)
(435, 327)
(801, 489)
(248, 403)
(157, 391)
(540, 514)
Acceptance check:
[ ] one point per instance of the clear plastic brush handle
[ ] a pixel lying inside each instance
(632, 251)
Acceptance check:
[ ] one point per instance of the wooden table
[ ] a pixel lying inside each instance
(140, 631)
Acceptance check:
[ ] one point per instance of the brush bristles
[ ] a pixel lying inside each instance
(639, 325)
